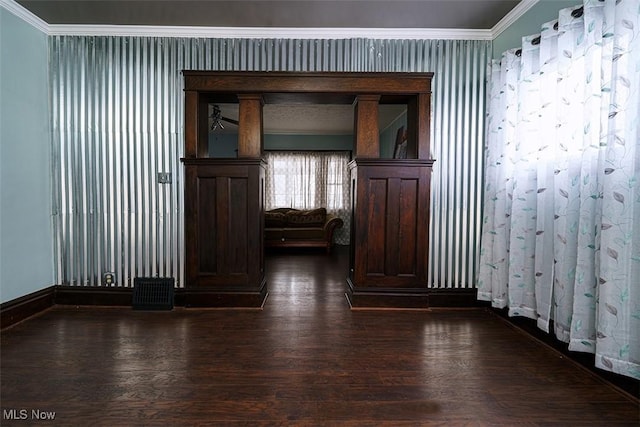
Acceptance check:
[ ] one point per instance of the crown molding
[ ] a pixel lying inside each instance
(511, 17)
(269, 33)
(22, 13)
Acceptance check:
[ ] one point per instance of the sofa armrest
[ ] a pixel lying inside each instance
(331, 223)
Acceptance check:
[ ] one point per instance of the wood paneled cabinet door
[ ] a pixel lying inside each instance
(390, 232)
(224, 230)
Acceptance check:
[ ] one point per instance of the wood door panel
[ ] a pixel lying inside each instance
(376, 227)
(237, 234)
(392, 255)
(207, 229)
(222, 225)
(407, 226)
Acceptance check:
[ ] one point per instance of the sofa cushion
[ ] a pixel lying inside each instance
(307, 218)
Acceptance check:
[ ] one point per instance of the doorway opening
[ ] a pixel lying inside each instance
(226, 190)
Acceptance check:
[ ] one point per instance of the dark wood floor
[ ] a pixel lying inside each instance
(306, 359)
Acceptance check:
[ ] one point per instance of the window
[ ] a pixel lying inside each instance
(307, 180)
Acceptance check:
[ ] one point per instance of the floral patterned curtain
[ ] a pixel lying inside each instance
(561, 233)
(308, 180)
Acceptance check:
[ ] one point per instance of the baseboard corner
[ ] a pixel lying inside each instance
(24, 307)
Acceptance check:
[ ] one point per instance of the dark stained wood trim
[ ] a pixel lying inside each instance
(19, 309)
(418, 125)
(382, 298)
(223, 162)
(191, 126)
(250, 126)
(93, 295)
(367, 137)
(226, 298)
(413, 298)
(202, 144)
(305, 82)
(397, 163)
(122, 297)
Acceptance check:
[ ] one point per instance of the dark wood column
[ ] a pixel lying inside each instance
(224, 232)
(196, 136)
(250, 139)
(367, 138)
(418, 126)
(390, 227)
(390, 232)
(224, 208)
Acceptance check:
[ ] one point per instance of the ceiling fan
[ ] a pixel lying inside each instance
(217, 119)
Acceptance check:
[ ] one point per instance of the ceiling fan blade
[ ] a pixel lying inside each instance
(232, 121)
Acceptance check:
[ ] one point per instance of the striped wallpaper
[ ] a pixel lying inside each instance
(117, 120)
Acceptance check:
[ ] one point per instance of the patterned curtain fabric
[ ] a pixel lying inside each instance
(561, 233)
(309, 180)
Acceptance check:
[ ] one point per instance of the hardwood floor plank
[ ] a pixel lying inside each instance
(304, 360)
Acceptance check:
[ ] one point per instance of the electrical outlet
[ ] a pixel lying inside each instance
(164, 177)
(109, 279)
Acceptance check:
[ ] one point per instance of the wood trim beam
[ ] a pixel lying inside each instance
(307, 83)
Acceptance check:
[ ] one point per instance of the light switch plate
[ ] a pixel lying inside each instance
(164, 177)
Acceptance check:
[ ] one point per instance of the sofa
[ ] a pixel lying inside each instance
(286, 227)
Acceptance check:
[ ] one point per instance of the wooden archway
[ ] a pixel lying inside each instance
(224, 198)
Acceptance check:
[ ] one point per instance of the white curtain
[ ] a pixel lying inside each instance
(561, 232)
(308, 180)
